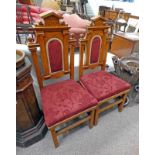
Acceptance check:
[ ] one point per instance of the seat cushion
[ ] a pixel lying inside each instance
(102, 84)
(77, 30)
(63, 100)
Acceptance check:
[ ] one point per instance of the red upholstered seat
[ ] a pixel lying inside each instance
(103, 85)
(64, 99)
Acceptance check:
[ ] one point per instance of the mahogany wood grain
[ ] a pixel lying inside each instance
(30, 126)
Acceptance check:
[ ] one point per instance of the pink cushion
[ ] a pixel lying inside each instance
(44, 10)
(77, 30)
(75, 21)
(63, 100)
(34, 9)
(103, 85)
(47, 9)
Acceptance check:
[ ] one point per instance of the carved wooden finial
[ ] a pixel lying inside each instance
(61, 22)
(30, 40)
(98, 21)
(72, 36)
(82, 35)
(38, 23)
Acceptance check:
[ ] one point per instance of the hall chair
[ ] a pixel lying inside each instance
(122, 21)
(102, 85)
(66, 102)
(111, 16)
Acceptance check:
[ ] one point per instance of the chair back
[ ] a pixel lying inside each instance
(111, 14)
(52, 36)
(124, 15)
(94, 46)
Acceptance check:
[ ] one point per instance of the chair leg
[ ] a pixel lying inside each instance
(121, 105)
(54, 136)
(96, 116)
(91, 122)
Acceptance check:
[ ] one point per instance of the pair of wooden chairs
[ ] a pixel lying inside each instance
(67, 100)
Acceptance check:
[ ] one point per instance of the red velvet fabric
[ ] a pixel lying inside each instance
(95, 50)
(55, 55)
(103, 85)
(63, 100)
(34, 11)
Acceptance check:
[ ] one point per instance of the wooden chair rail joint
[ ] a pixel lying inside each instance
(61, 131)
(110, 106)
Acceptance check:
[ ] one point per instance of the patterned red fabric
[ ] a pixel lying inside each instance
(103, 85)
(64, 99)
(55, 55)
(95, 50)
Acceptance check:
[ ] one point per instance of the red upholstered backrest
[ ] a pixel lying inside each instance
(95, 49)
(56, 48)
(54, 52)
(94, 46)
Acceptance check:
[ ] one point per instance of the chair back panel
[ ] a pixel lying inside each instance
(94, 46)
(52, 36)
(95, 49)
(54, 48)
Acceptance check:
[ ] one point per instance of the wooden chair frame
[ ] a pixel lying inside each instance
(98, 27)
(113, 15)
(125, 16)
(52, 28)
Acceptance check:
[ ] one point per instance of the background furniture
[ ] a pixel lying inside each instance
(102, 10)
(127, 68)
(111, 16)
(124, 44)
(26, 15)
(30, 126)
(77, 24)
(117, 18)
(66, 100)
(51, 4)
(101, 84)
(122, 21)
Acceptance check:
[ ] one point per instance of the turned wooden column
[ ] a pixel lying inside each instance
(30, 126)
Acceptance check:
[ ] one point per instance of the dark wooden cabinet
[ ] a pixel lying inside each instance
(30, 126)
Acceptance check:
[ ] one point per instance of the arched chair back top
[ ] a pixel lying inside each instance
(52, 36)
(94, 46)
